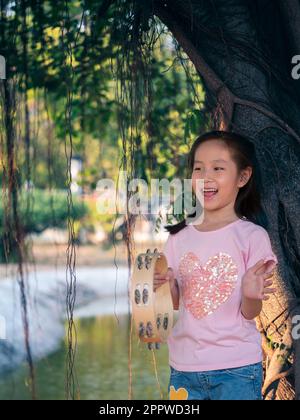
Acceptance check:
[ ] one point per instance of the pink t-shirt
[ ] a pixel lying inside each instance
(211, 333)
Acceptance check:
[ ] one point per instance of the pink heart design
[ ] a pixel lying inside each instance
(205, 288)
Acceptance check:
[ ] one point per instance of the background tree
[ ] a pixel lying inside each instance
(242, 51)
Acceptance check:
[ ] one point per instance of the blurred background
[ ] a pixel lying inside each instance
(66, 124)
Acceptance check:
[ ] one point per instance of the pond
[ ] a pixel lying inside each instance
(101, 365)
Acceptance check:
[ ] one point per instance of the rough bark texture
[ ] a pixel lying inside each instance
(242, 49)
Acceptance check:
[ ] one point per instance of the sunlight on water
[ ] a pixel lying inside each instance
(101, 365)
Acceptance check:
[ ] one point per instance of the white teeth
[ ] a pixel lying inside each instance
(210, 190)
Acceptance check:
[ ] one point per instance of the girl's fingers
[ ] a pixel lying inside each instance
(160, 281)
(160, 276)
(270, 274)
(266, 277)
(168, 273)
(268, 283)
(269, 290)
(266, 293)
(157, 285)
(262, 263)
(258, 265)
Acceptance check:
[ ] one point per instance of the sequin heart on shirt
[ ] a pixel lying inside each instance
(205, 288)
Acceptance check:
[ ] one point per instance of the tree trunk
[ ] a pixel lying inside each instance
(240, 49)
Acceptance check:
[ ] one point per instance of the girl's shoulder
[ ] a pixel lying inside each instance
(257, 243)
(250, 226)
(253, 231)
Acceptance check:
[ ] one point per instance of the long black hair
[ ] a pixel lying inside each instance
(248, 201)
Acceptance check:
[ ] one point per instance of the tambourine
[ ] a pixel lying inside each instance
(152, 311)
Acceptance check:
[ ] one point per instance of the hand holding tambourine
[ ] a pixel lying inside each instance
(151, 298)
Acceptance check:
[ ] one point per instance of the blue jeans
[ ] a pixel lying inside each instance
(243, 383)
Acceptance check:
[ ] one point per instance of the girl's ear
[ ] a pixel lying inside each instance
(245, 176)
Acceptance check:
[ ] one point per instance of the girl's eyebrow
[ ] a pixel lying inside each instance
(216, 160)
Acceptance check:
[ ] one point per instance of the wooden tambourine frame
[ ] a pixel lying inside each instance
(152, 311)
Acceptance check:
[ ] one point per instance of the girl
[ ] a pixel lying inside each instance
(219, 273)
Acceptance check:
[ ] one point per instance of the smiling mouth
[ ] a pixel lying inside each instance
(209, 192)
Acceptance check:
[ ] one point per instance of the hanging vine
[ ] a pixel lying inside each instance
(134, 95)
(14, 235)
(72, 386)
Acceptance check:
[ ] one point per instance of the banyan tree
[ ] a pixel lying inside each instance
(242, 52)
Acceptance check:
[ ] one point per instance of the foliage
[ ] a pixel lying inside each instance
(47, 209)
(57, 47)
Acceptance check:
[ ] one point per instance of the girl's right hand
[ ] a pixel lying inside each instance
(160, 279)
(257, 281)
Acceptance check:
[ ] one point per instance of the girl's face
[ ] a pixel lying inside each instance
(213, 164)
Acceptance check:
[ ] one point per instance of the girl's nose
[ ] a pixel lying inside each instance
(207, 173)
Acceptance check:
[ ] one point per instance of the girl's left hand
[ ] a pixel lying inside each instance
(255, 283)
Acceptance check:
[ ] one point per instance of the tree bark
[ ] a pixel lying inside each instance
(291, 13)
(250, 90)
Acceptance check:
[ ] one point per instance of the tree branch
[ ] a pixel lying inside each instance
(269, 114)
(276, 378)
(226, 99)
(274, 372)
(265, 343)
(212, 81)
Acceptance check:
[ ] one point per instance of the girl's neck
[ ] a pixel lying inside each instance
(219, 217)
(217, 222)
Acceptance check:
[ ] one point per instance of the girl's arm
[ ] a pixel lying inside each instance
(251, 308)
(256, 288)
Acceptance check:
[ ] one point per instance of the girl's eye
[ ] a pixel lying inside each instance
(199, 169)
